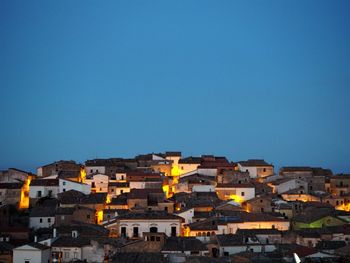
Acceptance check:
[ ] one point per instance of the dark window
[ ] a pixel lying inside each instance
(50, 193)
(152, 238)
(88, 216)
(49, 220)
(136, 231)
(122, 177)
(153, 230)
(41, 220)
(262, 209)
(64, 183)
(39, 193)
(121, 191)
(242, 193)
(264, 170)
(112, 190)
(173, 231)
(26, 261)
(64, 189)
(123, 231)
(166, 208)
(157, 238)
(226, 254)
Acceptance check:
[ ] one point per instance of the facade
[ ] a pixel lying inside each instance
(256, 168)
(237, 192)
(66, 185)
(32, 253)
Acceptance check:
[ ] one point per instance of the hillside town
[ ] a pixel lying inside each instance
(166, 207)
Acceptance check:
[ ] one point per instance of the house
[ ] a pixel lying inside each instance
(313, 217)
(258, 204)
(13, 175)
(32, 253)
(43, 188)
(117, 188)
(257, 168)
(14, 234)
(6, 251)
(237, 192)
(230, 175)
(66, 185)
(188, 164)
(190, 246)
(56, 167)
(134, 224)
(340, 184)
(98, 182)
(283, 185)
(42, 217)
(265, 236)
(233, 244)
(10, 193)
(66, 215)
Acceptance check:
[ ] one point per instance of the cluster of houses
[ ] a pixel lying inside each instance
(163, 207)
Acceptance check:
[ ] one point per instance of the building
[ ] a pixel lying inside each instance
(32, 253)
(257, 168)
(237, 192)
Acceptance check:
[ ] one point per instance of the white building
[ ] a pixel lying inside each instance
(286, 184)
(42, 217)
(32, 253)
(135, 224)
(98, 182)
(43, 188)
(237, 192)
(66, 185)
(256, 168)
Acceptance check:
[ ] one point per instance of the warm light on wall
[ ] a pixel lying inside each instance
(166, 189)
(343, 207)
(24, 201)
(108, 199)
(175, 171)
(99, 216)
(82, 175)
(236, 198)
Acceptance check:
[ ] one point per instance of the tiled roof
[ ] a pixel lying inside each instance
(44, 182)
(254, 162)
(183, 244)
(71, 242)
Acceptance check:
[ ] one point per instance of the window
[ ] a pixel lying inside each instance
(173, 231)
(262, 209)
(64, 189)
(152, 238)
(123, 231)
(26, 261)
(88, 216)
(50, 193)
(75, 254)
(153, 230)
(226, 254)
(66, 254)
(112, 190)
(49, 220)
(264, 170)
(121, 191)
(64, 183)
(122, 177)
(157, 238)
(135, 231)
(39, 194)
(166, 208)
(242, 193)
(40, 220)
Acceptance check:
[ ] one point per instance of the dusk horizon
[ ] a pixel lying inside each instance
(267, 80)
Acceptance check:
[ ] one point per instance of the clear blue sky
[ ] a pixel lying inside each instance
(245, 79)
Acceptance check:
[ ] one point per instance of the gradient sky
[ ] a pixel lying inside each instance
(245, 79)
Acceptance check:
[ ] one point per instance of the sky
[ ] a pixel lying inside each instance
(243, 79)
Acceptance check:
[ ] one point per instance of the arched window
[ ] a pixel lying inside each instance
(153, 229)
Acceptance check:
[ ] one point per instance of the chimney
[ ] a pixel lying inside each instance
(35, 239)
(54, 232)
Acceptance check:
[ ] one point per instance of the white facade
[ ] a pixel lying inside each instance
(203, 188)
(290, 185)
(246, 247)
(100, 181)
(120, 176)
(187, 215)
(253, 171)
(29, 254)
(43, 191)
(40, 222)
(66, 185)
(241, 193)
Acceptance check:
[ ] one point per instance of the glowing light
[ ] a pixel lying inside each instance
(166, 189)
(82, 175)
(175, 171)
(236, 198)
(343, 207)
(186, 231)
(24, 201)
(108, 199)
(100, 216)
